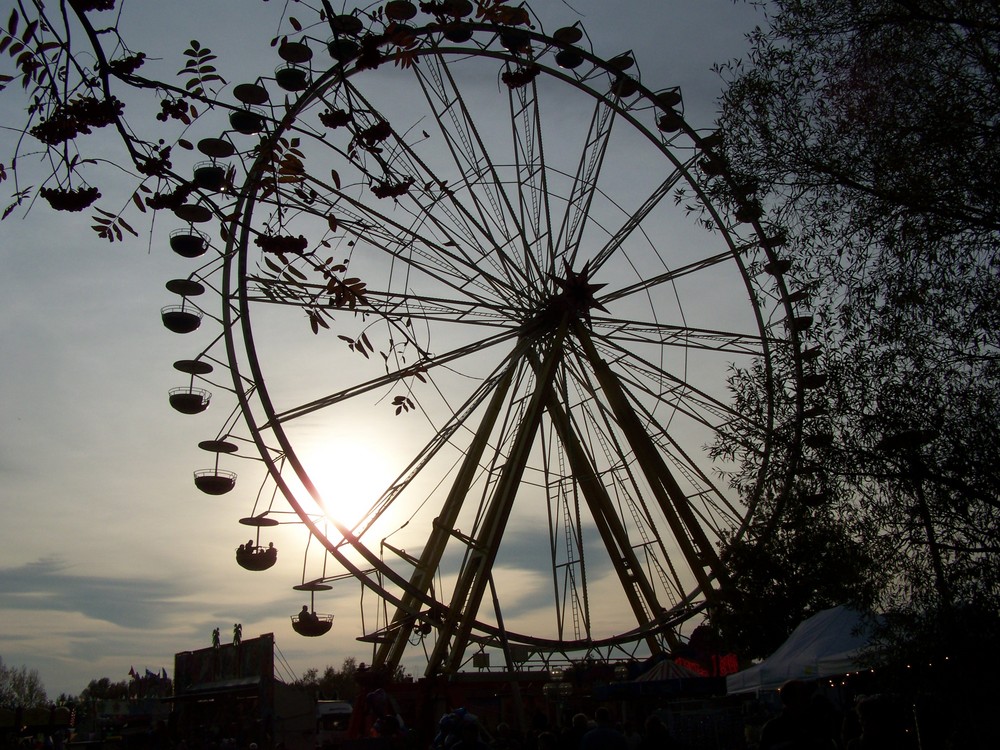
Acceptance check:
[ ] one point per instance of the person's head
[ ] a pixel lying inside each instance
(580, 720)
(602, 715)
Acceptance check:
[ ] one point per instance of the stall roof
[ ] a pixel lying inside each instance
(828, 643)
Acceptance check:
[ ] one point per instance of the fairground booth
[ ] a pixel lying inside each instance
(228, 692)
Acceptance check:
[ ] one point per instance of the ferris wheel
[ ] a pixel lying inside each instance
(482, 316)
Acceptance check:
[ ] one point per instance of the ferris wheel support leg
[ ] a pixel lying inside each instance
(391, 650)
(690, 537)
(471, 585)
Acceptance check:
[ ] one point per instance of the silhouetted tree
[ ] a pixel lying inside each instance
(340, 684)
(104, 689)
(21, 687)
(867, 132)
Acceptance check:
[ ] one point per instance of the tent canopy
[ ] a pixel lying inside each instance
(828, 643)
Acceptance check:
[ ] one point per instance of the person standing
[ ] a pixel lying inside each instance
(604, 736)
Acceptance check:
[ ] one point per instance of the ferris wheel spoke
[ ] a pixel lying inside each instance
(394, 306)
(441, 531)
(626, 332)
(569, 571)
(465, 147)
(425, 364)
(634, 222)
(603, 419)
(416, 307)
(704, 505)
(533, 209)
(663, 387)
(435, 255)
(419, 252)
(584, 185)
(649, 284)
(600, 423)
(705, 494)
(674, 504)
(435, 206)
(481, 177)
(638, 590)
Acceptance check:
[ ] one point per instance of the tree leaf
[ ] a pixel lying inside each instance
(29, 31)
(125, 225)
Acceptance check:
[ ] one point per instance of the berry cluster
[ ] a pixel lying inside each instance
(334, 118)
(67, 199)
(170, 200)
(281, 244)
(75, 117)
(377, 133)
(392, 190)
(127, 65)
(176, 109)
(158, 165)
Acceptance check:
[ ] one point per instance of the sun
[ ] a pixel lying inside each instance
(350, 474)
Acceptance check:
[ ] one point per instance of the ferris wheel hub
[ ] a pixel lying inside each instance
(572, 299)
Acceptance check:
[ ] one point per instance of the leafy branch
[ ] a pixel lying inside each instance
(109, 226)
(199, 70)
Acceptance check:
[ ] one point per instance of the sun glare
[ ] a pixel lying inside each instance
(349, 474)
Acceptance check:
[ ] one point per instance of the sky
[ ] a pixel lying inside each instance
(110, 558)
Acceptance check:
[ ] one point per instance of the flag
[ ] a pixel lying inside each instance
(131, 673)
(150, 674)
(164, 670)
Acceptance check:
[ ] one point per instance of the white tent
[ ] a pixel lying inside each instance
(826, 644)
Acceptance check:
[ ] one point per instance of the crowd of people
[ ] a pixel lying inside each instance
(462, 731)
(808, 720)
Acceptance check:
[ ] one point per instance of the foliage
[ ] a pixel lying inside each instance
(808, 564)
(21, 687)
(343, 684)
(104, 689)
(868, 131)
(939, 655)
(76, 73)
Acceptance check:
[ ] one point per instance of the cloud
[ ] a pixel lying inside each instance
(48, 584)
